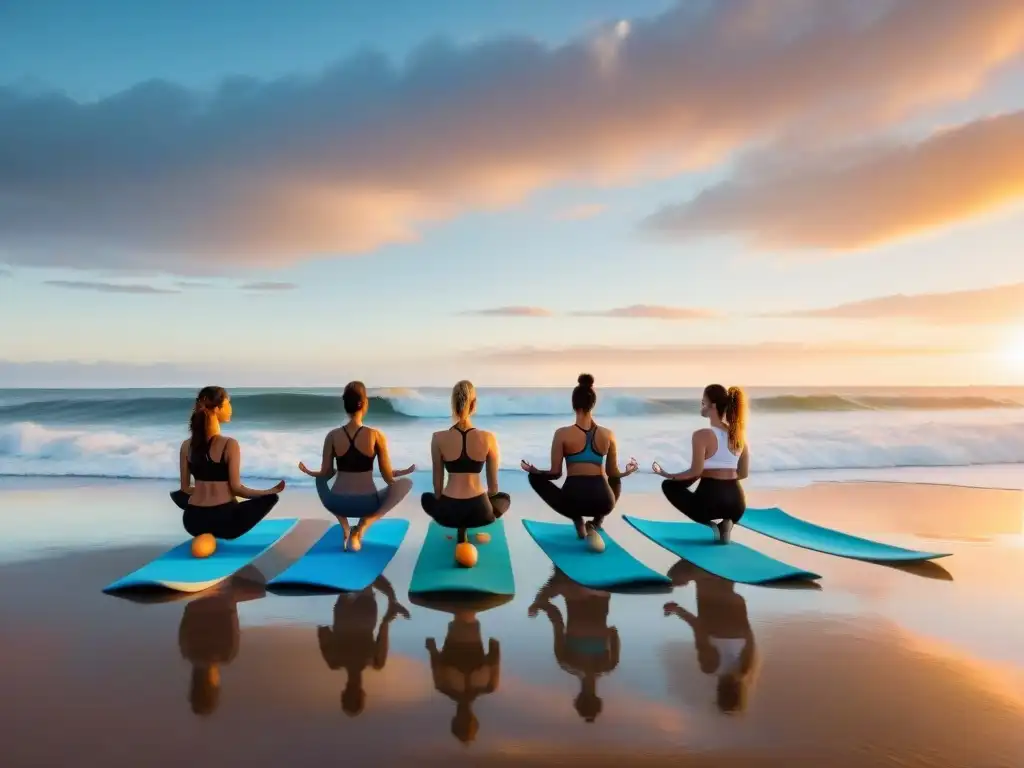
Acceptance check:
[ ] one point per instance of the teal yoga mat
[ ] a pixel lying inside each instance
(614, 567)
(732, 561)
(777, 524)
(436, 570)
(180, 571)
(327, 566)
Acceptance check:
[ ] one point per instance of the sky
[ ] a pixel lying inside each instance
(262, 193)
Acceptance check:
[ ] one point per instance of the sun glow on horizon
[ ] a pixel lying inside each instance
(1012, 351)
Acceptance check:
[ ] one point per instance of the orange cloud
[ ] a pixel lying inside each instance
(269, 173)
(996, 305)
(510, 312)
(866, 198)
(582, 211)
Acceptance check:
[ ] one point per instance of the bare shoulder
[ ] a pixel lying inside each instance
(186, 444)
(377, 434)
(606, 432)
(702, 434)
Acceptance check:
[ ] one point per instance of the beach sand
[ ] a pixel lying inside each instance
(880, 666)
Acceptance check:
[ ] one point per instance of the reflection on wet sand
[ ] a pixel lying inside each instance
(462, 669)
(208, 637)
(585, 646)
(721, 632)
(350, 643)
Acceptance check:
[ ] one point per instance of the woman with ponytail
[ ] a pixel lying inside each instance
(462, 502)
(721, 459)
(211, 505)
(593, 481)
(349, 451)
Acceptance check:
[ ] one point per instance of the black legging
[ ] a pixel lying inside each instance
(474, 512)
(224, 521)
(713, 500)
(580, 495)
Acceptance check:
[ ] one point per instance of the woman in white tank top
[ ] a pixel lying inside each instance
(721, 459)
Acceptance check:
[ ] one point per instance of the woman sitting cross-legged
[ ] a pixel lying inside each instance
(462, 502)
(721, 459)
(354, 494)
(594, 482)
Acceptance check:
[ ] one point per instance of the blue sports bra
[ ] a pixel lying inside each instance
(588, 454)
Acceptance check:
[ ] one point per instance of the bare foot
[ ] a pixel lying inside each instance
(725, 528)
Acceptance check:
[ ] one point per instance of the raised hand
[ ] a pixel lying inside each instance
(656, 469)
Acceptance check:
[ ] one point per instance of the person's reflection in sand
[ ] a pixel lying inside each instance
(208, 637)
(463, 671)
(585, 646)
(350, 643)
(721, 632)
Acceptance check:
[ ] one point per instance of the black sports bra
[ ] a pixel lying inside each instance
(207, 470)
(354, 460)
(464, 465)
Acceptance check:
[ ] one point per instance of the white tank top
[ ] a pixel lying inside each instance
(723, 458)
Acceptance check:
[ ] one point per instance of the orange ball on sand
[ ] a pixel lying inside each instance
(204, 545)
(482, 538)
(465, 554)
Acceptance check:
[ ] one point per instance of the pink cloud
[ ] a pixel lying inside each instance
(647, 311)
(510, 312)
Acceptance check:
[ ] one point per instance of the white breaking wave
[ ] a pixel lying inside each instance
(411, 402)
(863, 440)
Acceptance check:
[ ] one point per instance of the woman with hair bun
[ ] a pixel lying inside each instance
(593, 481)
(349, 452)
(721, 459)
(211, 505)
(462, 502)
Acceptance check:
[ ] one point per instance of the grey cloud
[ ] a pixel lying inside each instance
(100, 287)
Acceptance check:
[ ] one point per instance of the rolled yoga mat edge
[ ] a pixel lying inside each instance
(327, 566)
(614, 567)
(733, 561)
(781, 526)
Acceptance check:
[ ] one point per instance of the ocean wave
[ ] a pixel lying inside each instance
(848, 443)
(297, 409)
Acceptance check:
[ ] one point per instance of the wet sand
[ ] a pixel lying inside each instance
(880, 666)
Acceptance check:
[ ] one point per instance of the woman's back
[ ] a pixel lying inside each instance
(464, 451)
(210, 468)
(585, 449)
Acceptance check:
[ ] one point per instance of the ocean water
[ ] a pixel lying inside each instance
(135, 433)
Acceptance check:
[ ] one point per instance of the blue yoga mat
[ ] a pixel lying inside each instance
(436, 570)
(327, 566)
(614, 567)
(778, 525)
(180, 571)
(732, 561)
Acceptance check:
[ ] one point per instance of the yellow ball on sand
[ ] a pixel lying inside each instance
(594, 541)
(465, 554)
(203, 545)
(483, 538)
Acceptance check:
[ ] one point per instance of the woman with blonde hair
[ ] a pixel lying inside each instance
(349, 451)
(721, 459)
(462, 451)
